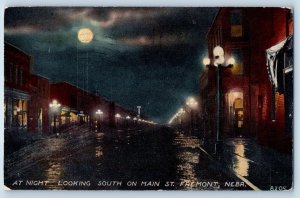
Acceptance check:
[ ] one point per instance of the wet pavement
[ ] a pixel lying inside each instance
(148, 159)
(265, 168)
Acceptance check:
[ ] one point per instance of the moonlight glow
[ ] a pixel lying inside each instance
(85, 35)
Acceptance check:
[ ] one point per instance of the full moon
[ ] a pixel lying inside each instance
(85, 35)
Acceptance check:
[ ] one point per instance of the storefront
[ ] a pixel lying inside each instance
(280, 69)
(15, 109)
(65, 116)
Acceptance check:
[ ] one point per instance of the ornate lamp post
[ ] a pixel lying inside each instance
(99, 113)
(192, 104)
(219, 60)
(135, 121)
(128, 120)
(117, 116)
(181, 114)
(55, 108)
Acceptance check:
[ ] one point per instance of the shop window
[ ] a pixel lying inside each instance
(17, 113)
(63, 117)
(236, 23)
(73, 117)
(238, 67)
(40, 119)
(20, 113)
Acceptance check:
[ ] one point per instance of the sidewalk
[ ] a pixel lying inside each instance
(264, 168)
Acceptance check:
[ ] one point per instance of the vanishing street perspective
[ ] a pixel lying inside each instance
(148, 98)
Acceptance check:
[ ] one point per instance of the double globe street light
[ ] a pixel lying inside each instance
(117, 116)
(99, 113)
(192, 104)
(55, 109)
(219, 62)
(128, 118)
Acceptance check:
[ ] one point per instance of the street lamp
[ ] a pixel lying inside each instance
(55, 107)
(128, 120)
(134, 121)
(219, 61)
(192, 103)
(99, 113)
(206, 61)
(117, 116)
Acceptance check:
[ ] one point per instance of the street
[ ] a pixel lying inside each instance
(148, 159)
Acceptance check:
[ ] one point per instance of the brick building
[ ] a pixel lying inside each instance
(17, 66)
(38, 106)
(246, 99)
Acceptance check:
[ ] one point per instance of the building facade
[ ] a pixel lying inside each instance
(38, 106)
(17, 66)
(246, 91)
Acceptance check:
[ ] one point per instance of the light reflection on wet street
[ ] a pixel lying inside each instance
(241, 165)
(99, 160)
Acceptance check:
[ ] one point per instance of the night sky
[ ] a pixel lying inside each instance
(138, 56)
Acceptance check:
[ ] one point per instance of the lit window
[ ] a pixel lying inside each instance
(236, 23)
(238, 67)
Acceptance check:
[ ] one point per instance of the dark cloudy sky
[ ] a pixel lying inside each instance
(139, 56)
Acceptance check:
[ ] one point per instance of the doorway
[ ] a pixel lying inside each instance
(238, 121)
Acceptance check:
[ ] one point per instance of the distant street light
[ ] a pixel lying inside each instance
(134, 121)
(99, 113)
(128, 120)
(117, 116)
(219, 60)
(55, 108)
(192, 103)
(206, 61)
(181, 112)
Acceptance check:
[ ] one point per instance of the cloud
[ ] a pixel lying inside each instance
(20, 30)
(52, 18)
(23, 19)
(116, 16)
(130, 26)
(155, 40)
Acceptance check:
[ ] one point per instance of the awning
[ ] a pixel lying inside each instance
(279, 64)
(276, 62)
